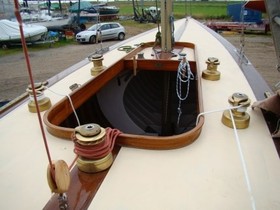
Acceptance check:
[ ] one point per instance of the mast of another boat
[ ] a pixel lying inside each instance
(273, 11)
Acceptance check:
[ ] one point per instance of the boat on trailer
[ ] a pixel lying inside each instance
(145, 125)
(10, 32)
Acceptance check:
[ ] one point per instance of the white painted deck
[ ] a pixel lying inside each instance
(208, 174)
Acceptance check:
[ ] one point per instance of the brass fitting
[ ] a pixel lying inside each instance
(240, 116)
(44, 102)
(97, 64)
(211, 73)
(94, 166)
(92, 135)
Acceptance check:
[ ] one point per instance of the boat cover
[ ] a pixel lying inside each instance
(9, 31)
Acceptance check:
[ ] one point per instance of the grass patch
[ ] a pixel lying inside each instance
(201, 9)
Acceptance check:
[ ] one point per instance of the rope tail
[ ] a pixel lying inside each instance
(184, 75)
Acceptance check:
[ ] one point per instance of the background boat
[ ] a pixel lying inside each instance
(10, 33)
(102, 9)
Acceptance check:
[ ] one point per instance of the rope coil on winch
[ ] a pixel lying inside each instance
(98, 149)
(184, 75)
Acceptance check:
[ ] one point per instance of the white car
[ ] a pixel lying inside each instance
(101, 31)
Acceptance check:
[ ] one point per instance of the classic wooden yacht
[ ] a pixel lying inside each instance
(162, 120)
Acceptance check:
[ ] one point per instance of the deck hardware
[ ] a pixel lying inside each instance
(140, 55)
(211, 73)
(59, 182)
(91, 148)
(43, 101)
(63, 201)
(240, 116)
(74, 86)
(181, 55)
(94, 166)
(97, 64)
(127, 48)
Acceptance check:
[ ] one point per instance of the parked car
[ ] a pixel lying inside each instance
(102, 31)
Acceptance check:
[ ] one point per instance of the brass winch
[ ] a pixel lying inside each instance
(240, 116)
(44, 102)
(97, 64)
(91, 147)
(211, 73)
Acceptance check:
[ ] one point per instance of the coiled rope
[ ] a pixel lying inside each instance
(97, 151)
(126, 48)
(184, 75)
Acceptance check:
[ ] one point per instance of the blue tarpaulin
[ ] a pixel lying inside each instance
(234, 11)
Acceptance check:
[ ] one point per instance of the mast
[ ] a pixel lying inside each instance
(273, 11)
(167, 126)
(166, 25)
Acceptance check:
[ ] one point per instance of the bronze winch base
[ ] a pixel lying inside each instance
(97, 64)
(94, 166)
(92, 135)
(241, 122)
(211, 73)
(240, 116)
(44, 103)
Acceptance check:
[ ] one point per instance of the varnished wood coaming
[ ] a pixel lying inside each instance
(60, 111)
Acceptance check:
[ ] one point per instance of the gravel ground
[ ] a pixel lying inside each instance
(45, 64)
(14, 77)
(260, 51)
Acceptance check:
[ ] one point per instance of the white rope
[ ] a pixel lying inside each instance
(217, 110)
(249, 188)
(71, 103)
(247, 180)
(184, 75)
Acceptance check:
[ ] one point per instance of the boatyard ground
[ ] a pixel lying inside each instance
(48, 62)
